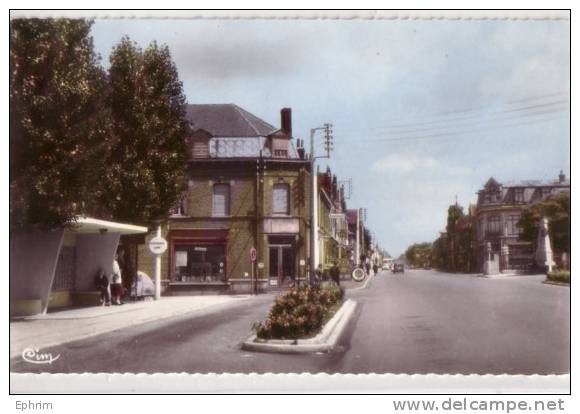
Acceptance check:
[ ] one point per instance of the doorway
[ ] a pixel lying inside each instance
(282, 266)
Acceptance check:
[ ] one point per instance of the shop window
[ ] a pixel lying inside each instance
(199, 263)
(221, 200)
(280, 201)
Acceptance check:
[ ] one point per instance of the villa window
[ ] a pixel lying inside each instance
(221, 200)
(512, 225)
(546, 192)
(493, 225)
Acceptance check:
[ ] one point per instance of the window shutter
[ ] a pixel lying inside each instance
(280, 199)
(221, 200)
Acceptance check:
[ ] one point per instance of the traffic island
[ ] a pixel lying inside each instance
(324, 341)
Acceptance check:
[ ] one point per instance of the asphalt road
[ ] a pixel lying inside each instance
(420, 322)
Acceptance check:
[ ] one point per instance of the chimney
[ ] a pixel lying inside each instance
(561, 177)
(286, 120)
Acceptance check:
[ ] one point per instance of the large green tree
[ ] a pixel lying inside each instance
(454, 214)
(148, 161)
(419, 254)
(59, 130)
(557, 210)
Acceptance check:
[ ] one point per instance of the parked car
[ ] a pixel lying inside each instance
(399, 268)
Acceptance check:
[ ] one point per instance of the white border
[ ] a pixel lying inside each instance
(237, 383)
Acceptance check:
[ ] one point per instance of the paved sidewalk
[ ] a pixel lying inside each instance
(56, 328)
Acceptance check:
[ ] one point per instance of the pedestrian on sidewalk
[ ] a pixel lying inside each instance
(375, 269)
(318, 275)
(102, 284)
(116, 282)
(335, 273)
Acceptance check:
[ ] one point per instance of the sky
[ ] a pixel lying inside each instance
(423, 112)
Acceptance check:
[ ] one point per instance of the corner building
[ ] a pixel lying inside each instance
(248, 187)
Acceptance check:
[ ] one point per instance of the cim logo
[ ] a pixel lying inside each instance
(34, 356)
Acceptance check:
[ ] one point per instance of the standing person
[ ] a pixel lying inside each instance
(368, 267)
(116, 282)
(102, 283)
(375, 269)
(335, 273)
(318, 275)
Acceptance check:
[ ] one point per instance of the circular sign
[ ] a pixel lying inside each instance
(358, 275)
(302, 262)
(158, 245)
(253, 254)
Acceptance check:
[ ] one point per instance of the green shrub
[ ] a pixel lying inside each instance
(300, 313)
(559, 276)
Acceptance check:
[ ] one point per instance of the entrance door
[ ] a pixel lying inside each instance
(281, 264)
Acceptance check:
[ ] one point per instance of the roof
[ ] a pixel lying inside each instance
(351, 216)
(537, 183)
(227, 120)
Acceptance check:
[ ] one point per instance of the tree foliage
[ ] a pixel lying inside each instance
(454, 214)
(59, 130)
(557, 210)
(419, 254)
(147, 165)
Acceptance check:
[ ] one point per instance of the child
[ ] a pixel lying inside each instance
(102, 284)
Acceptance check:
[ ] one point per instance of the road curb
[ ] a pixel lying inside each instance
(551, 282)
(325, 341)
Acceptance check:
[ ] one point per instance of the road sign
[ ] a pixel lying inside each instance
(158, 245)
(253, 254)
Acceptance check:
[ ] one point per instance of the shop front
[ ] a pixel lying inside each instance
(198, 258)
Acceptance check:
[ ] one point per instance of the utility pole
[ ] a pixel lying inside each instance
(327, 128)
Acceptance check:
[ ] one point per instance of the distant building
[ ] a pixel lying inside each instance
(332, 222)
(499, 207)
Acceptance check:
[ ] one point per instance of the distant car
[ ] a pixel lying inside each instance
(399, 268)
(385, 266)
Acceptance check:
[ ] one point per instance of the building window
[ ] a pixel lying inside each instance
(281, 153)
(481, 230)
(199, 263)
(512, 225)
(519, 195)
(180, 208)
(221, 200)
(493, 225)
(280, 199)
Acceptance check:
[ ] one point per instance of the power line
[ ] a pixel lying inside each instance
(459, 133)
(479, 112)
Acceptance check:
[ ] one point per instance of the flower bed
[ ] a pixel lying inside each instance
(300, 313)
(562, 276)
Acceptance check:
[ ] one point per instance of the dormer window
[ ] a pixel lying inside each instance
(519, 195)
(280, 153)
